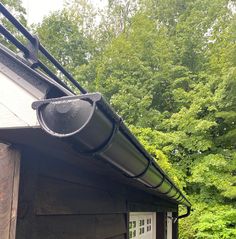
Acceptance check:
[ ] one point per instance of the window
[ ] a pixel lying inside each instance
(142, 225)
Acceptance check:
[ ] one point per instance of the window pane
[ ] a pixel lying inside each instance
(130, 225)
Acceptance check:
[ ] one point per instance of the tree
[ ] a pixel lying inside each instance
(71, 47)
(177, 86)
(133, 70)
(19, 13)
(68, 35)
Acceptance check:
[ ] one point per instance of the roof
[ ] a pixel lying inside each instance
(85, 120)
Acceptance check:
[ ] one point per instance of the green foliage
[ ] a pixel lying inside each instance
(209, 220)
(172, 84)
(71, 46)
(133, 70)
(216, 171)
(19, 12)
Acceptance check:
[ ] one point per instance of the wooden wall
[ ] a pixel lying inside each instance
(9, 184)
(63, 201)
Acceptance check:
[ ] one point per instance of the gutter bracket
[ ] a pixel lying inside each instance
(142, 173)
(169, 190)
(104, 146)
(91, 97)
(159, 184)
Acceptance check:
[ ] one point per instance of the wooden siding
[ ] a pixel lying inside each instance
(74, 198)
(79, 226)
(64, 201)
(59, 205)
(9, 185)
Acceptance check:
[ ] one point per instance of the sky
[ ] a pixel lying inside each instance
(37, 9)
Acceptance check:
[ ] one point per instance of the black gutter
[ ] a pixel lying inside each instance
(95, 130)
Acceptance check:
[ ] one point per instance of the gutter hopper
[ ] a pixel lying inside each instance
(97, 131)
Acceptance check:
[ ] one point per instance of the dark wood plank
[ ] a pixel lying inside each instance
(64, 227)
(15, 194)
(79, 226)
(28, 187)
(161, 225)
(138, 201)
(110, 225)
(144, 206)
(59, 197)
(123, 236)
(9, 185)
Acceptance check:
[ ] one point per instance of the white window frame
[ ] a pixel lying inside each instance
(144, 216)
(169, 225)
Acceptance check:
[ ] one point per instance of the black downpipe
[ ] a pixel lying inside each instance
(184, 215)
